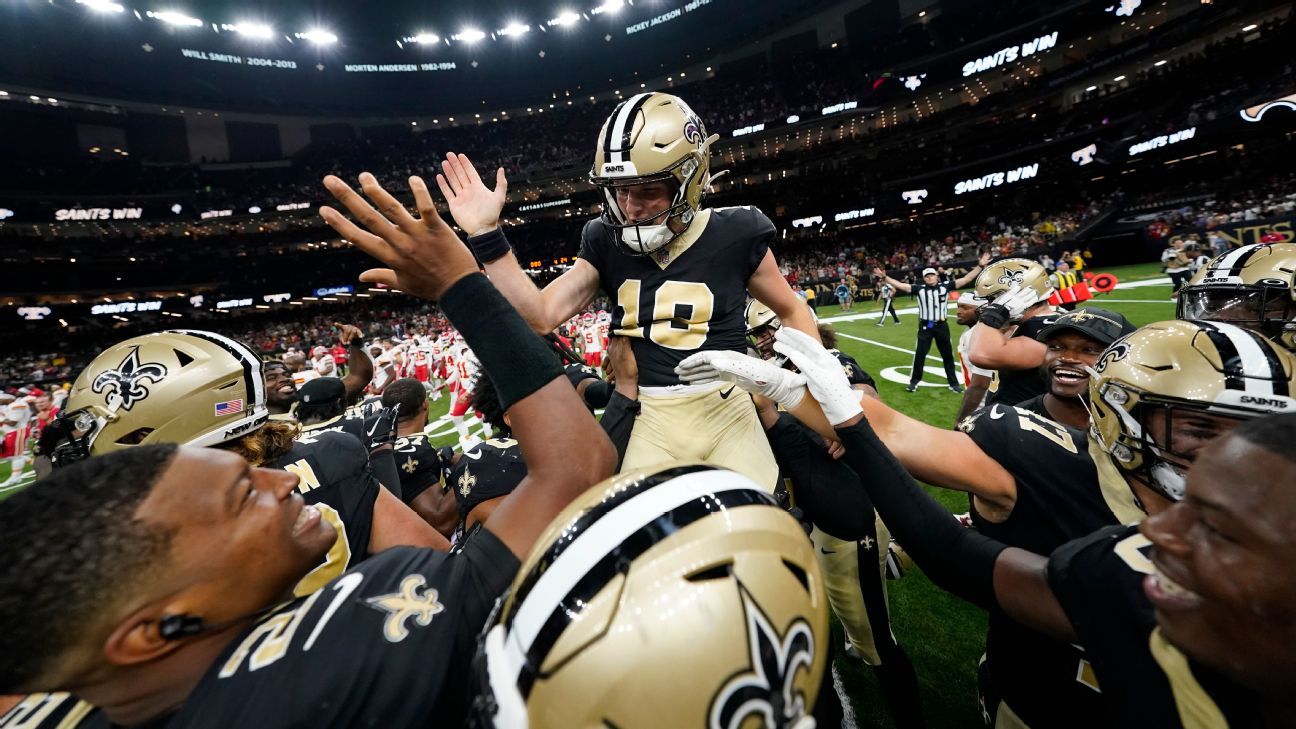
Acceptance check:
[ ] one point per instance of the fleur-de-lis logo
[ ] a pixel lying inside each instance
(1080, 316)
(466, 482)
(126, 384)
(768, 691)
(1010, 276)
(1116, 352)
(410, 465)
(406, 604)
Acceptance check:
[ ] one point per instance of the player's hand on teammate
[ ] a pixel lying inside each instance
(424, 255)
(621, 367)
(474, 207)
(750, 373)
(381, 429)
(822, 373)
(1007, 307)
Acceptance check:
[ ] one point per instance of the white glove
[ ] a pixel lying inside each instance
(824, 375)
(436, 395)
(1016, 301)
(784, 387)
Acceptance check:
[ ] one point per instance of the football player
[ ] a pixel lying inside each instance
(851, 547)
(420, 464)
(281, 384)
(1018, 290)
(678, 275)
(16, 417)
(203, 389)
(976, 380)
(321, 408)
(1160, 394)
(1197, 633)
(1253, 286)
(1074, 342)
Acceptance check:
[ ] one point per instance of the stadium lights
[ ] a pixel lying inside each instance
(172, 17)
(468, 35)
(260, 31)
(423, 37)
(318, 37)
(102, 6)
(566, 17)
(514, 29)
(1250, 28)
(1160, 63)
(608, 6)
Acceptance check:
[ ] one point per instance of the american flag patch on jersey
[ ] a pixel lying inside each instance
(229, 407)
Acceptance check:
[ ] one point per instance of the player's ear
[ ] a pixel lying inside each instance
(138, 637)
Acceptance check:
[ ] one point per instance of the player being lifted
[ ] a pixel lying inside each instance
(677, 273)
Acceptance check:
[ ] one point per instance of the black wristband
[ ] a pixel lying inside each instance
(994, 316)
(954, 557)
(518, 361)
(489, 245)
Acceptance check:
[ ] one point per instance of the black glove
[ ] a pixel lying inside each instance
(445, 454)
(994, 316)
(381, 428)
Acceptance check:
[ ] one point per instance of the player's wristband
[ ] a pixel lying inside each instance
(518, 361)
(490, 245)
(954, 557)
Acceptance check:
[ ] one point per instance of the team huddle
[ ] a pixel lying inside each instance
(666, 501)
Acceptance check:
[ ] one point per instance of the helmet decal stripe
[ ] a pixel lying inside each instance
(251, 362)
(606, 141)
(614, 562)
(587, 547)
(1247, 364)
(1234, 261)
(622, 128)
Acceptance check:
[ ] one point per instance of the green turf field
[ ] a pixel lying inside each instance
(943, 635)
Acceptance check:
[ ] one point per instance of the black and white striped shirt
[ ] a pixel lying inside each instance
(933, 301)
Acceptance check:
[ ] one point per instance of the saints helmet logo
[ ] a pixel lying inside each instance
(466, 482)
(1010, 276)
(767, 691)
(1080, 316)
(1115, 353)
(406, 604)
(126, 384)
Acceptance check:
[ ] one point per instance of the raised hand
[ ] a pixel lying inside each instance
(984, 259)
(347, 332)
(424, 255)
(879, 273)
(474, 207)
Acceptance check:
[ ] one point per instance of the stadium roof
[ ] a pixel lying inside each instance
(372, 59)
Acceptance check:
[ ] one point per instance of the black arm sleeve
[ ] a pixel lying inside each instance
(383, 463)
(957, 559)
(828, 491)
(618, 422)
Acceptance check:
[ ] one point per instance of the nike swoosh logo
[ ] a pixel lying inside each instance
(994, 412)
(475, 455)
(826, 551)
(374, 428)
(725, 395)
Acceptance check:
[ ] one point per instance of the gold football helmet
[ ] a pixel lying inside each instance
(652, 137)
(1013, 273)
(182, 386)
(1176, 369)
(680, 597)
(1253, 287)
(762, 323)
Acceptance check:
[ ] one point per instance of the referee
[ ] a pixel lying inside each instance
(933, 308)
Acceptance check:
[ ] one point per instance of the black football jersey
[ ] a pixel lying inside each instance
(418, 464)
(366, 407)
(1062, 494)
(348, 423)
(854, 372)
(54, 711)
(334, 471)
(694, 303)
(1036, 405)
(490, 469)
(1010, 387)
(1099, 582)
(387, 644)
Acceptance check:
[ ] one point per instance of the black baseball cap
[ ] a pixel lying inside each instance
(1101, 325)
(321, 390)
